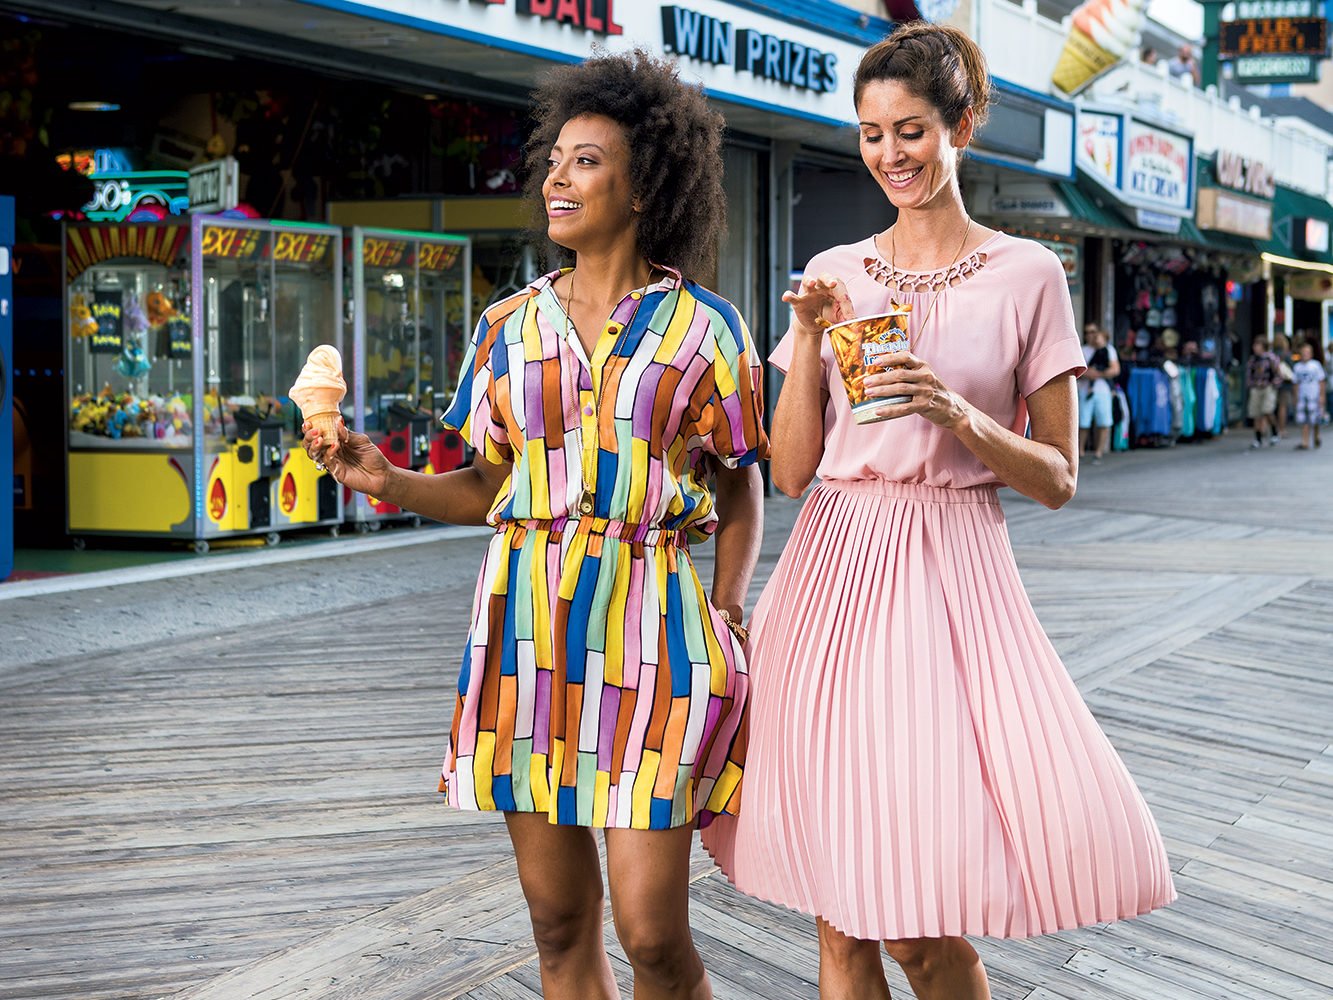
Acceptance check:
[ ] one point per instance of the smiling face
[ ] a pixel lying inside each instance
(906, 145)
(589, 204)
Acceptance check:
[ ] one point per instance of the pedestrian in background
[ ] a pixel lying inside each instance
(614, 407)
(1095, 392)
(1286, 384)
(1262, 376)
(921, 765)
(1311, 393)
(1183, 64)
(1148, 56)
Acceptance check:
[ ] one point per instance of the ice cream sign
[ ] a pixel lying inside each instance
(1158, 168)
(1148, 169)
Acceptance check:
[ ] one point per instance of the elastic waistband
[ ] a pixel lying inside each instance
(985, 494)
(624, 531)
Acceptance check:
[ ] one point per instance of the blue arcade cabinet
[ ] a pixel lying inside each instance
(6, 386)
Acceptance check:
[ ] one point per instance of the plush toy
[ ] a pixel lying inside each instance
(91, 415)
(159, 307)
(132, 361)
(81, 322)
(178, 423)
(134, 318)
(121, 419)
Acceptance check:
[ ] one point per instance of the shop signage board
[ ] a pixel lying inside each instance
(1273, 41)
(1225, 212)
(214, 186)
(1100, 137)
(1274, 36)
(1159, 167)
(1240, 173)
(1276, 69)
(736, 51)
(1315, 236)
(1147, 168)
(1030, 199)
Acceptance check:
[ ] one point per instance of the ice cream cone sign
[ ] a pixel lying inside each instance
(1101, 34)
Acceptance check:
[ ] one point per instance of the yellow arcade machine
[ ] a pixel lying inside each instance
(409, 320)
(183, 337)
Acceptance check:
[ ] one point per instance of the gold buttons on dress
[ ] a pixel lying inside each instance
(636, 295)
(612, 328)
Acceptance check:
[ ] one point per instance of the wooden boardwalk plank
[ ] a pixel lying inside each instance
(249, 812)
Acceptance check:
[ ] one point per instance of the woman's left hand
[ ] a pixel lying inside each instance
(931, 398)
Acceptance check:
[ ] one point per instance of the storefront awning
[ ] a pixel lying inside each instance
(1220, 242)
(1290, 237)
(1093, 208)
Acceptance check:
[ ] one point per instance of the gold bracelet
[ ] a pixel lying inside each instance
(737, 629)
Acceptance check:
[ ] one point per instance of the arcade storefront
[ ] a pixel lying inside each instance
(367, 116)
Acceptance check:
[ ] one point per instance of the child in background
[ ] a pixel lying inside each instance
(1311, 392)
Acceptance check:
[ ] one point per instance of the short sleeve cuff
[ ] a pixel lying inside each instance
(1062, 358)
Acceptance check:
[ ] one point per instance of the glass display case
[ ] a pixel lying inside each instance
(182, 339)
(410, 318)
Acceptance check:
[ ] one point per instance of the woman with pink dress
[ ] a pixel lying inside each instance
(921, 767)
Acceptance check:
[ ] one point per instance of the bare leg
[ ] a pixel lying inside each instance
(849, 968)
(561, 878)
(1305, 435)
(650, 898)
(1083, 435)
(941, 968)
(1103, 440)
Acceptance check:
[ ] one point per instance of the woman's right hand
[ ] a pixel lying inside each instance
(352, 460)
(818, 304)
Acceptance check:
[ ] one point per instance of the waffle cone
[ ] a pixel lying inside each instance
(326, 423)
(1081, 61)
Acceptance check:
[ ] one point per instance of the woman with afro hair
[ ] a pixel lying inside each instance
(614, 406)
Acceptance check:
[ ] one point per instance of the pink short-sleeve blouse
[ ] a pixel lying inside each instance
(1002, 328)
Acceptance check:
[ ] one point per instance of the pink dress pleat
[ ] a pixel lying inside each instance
(920, 762)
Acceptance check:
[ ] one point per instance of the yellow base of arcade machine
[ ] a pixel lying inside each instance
(239, 498)
(120, 492)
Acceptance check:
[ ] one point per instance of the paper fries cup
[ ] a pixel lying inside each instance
(866, 346)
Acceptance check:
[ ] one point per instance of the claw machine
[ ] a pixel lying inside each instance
(410, 319)
(182, 339)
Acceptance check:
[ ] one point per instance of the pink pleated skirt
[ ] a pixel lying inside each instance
(920, 762)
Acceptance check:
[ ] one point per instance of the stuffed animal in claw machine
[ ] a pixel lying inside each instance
(132, 361)
(81, 322)
(159, 308)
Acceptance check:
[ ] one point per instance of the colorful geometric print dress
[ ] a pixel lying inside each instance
(599, 685)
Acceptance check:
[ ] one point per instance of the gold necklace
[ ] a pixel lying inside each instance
(893, 263)
(586, 504)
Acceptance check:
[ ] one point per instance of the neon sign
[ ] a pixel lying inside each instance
(121, 193)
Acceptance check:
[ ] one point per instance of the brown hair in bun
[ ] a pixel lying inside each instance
(936, 62)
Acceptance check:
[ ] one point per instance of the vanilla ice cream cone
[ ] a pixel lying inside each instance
(319, 391)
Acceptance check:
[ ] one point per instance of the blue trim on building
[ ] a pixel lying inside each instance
(823, 16)
(439, 28)
(783, 110)
(1019, 165)
(1005, 87)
